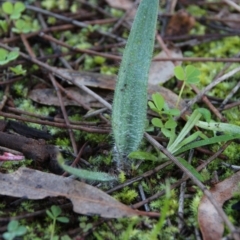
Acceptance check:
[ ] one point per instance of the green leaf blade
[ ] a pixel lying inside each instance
(158, 101)
(192, 74)
(179, 73)
(190, 168)
(142, 156)
(157, 122)
(130, 97)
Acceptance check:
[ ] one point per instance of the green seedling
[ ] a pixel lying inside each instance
(18, 70)
(189, 75)
(6, 57)
(130, 97)
(85, 174)
(22, 26)
(14, 230)
(54, 214)
(168, 126)
(179, 143)
(84, 225)
(4, 26)
(14, 10)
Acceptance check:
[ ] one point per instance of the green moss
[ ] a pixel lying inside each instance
(122, 177)
(28, 105)
(205, 174)
(94, 137)
(63, 142)
(127, 195)
(20, 89)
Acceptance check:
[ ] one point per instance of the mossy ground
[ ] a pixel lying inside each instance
(98, 149)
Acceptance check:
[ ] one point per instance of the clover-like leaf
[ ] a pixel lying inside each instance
(157, 122)
(4, 25)
(63, 219)
(3, 56)
(21, 231)
(7, 7)
(18, 70)
(49, 213)
(192, 74)
(56, 210)
(167, 133)
(158, 101)
(13, 225)
(152, 106)
(179, 73)
(170, 124)
(18, 7)
(13, 55)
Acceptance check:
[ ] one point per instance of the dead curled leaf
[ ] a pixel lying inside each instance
(32, 184)
(210, 222)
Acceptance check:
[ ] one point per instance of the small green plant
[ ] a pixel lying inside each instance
(130, 97)
(84, 225)
(14, 230)
(18, 70)
(14, 10)
(179, 143)
(4, 26)
(22, 26)
(167, 124)
(189, 75)
(6, 56)
(54, 214)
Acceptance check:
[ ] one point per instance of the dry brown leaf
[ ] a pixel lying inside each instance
(49, 97)
(89, 79)
(120, 4)
(32, 184)
(180, 23)
(162, 71)
(210, 222)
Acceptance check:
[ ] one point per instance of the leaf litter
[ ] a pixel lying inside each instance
(27, 183)
(210, 222)
(179, 24)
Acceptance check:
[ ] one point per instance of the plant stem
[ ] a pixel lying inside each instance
(180, 94)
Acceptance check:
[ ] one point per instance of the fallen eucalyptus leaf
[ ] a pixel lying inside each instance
(210, 223)
(32, 184)
(48, 96)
